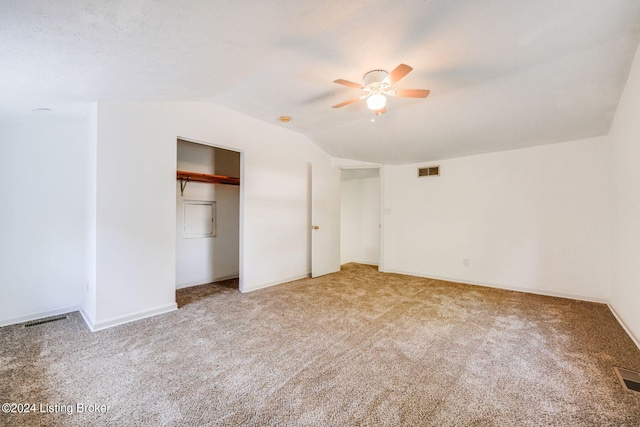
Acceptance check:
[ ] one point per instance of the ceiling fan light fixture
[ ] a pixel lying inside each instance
(376, 101)
(377, 84)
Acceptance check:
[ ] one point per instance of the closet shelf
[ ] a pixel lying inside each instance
(205, 177)
(184, 177)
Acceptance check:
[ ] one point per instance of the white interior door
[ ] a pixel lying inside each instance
(325, 220)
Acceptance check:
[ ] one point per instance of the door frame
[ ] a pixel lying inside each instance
(241, 274)
(380, 208)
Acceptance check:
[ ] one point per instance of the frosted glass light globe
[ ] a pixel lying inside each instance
(376, 101)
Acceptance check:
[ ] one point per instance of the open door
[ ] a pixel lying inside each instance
(325, 221)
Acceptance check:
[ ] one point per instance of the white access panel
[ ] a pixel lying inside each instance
(199, 219)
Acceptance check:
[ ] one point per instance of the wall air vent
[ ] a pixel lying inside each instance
(429, 171)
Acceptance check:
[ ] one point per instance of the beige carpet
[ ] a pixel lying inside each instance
(353, 348)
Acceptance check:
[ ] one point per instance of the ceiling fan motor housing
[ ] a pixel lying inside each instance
(374, 79)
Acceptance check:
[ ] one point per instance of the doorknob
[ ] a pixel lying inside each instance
(315, 227)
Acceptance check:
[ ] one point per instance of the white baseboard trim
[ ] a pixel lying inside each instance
(626, 328)
(38, 315)
(277, 282)
(217, 279)
(119, 320)
(507, 288)
(88, 319)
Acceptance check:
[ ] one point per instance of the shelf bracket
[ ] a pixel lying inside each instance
(183, 185)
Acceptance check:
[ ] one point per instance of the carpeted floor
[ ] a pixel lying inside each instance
(348, 349)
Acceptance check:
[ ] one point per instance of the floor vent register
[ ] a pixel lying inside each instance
(630, 380)
(42, 321)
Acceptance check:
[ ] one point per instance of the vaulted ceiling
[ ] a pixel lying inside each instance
(502, 74)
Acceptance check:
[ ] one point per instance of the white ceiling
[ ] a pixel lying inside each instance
(502, 74)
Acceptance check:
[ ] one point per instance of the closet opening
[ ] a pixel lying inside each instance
(207, 215)
(360, 216)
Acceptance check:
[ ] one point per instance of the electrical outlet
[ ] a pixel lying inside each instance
(466, 262)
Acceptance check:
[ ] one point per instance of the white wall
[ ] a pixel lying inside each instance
(535, 219)
(370, 239)
(360, 219)
(226, 261)
(208, 259)
(43, 196)
(625, 139)
(350, 210)
(136, 163)
(135, 213)
(194, 256)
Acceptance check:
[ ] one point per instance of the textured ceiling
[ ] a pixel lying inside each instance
(503, 74)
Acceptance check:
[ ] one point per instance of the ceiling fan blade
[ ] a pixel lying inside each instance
(351, 101)
(399, 72)
(348, 83)
(412, 93)
(381, 111)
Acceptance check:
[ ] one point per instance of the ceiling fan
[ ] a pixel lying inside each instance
(377, 84)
